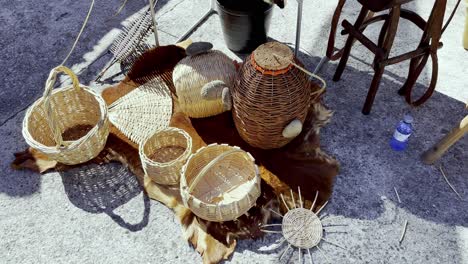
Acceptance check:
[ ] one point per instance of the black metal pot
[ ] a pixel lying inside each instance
(245, 23)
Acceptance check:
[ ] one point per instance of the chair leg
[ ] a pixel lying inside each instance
(431, 37)
(373, 90)
(386, 38)
(348, 45)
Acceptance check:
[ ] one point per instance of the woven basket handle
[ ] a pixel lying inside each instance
(324, 84)
(205, 169)
(49, 86)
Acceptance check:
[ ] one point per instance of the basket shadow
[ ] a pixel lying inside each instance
(102, 189)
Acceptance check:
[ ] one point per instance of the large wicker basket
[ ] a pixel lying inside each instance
(220, 183)
(269, 95)
(192, 73)
(74, 108)
(163, 155)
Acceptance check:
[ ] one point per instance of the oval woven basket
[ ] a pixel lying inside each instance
(269, 95)
(193, 72)
(164, 153)
(220, 182)
(69, 125)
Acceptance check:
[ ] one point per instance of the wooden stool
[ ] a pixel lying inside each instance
(428, 45)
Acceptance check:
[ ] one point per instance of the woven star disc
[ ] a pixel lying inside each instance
(302, 228)
(264, 56)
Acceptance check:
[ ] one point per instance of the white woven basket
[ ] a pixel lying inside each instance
(163, 155)
(62, 109)
(193, 72)
(220, 182)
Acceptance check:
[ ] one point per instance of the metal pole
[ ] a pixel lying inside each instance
(298, 26)
(211, 11)
(153, 18)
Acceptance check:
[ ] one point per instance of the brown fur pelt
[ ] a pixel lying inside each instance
(300, 164)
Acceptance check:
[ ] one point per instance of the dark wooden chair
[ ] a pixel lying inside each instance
(428, 45)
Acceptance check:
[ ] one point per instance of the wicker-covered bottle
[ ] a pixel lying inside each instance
(271, 97)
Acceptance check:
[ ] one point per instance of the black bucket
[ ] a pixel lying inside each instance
(245, 23)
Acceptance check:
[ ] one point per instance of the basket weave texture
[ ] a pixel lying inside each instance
(266, 100)
(63, 109)
(143, 111)
(309, 224)
(163, 155)
(220, 182)
(193, 72)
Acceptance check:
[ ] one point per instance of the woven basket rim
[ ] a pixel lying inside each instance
(184, 186)
(183, 156)
(75, 143)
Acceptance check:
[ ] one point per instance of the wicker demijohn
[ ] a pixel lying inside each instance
(220, 183)
(163, 155)
(194, 73)
(62, 110)
(271, 97)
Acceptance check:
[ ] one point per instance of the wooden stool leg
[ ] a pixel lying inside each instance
(349, 44)
(332, 36)
(386, 38)
(431, 37)
(373, 90)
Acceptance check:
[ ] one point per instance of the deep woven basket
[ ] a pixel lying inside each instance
(193, 72)
(220, 183)
(267, 99)
(163, 155)
(62, 110)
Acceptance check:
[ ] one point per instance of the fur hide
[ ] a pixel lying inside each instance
(299, 164)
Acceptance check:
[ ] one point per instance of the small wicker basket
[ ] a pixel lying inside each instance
(192, 73)
(220, 182)
(64, 109)
(164, 153)
(270, 96)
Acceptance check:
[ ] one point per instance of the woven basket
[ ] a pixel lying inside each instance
(194, 72)
(64, 109)
(163, 155)
(269, 95)
(220, 183)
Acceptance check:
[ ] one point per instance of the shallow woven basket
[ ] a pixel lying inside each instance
(63, 110)
(269, 95)
(163, 155)
(220, 183)
(193, 72)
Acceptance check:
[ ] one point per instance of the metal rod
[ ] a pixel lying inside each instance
(153, 18)
(298, 26)
(210, 12)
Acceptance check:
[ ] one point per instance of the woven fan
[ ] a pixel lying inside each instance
(142, 111)
(128, 44)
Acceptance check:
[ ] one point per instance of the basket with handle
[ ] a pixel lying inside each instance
(75, 108)
(164, 153)
(272, 96)
(220, 182)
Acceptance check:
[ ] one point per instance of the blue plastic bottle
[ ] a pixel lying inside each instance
(402, 133)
